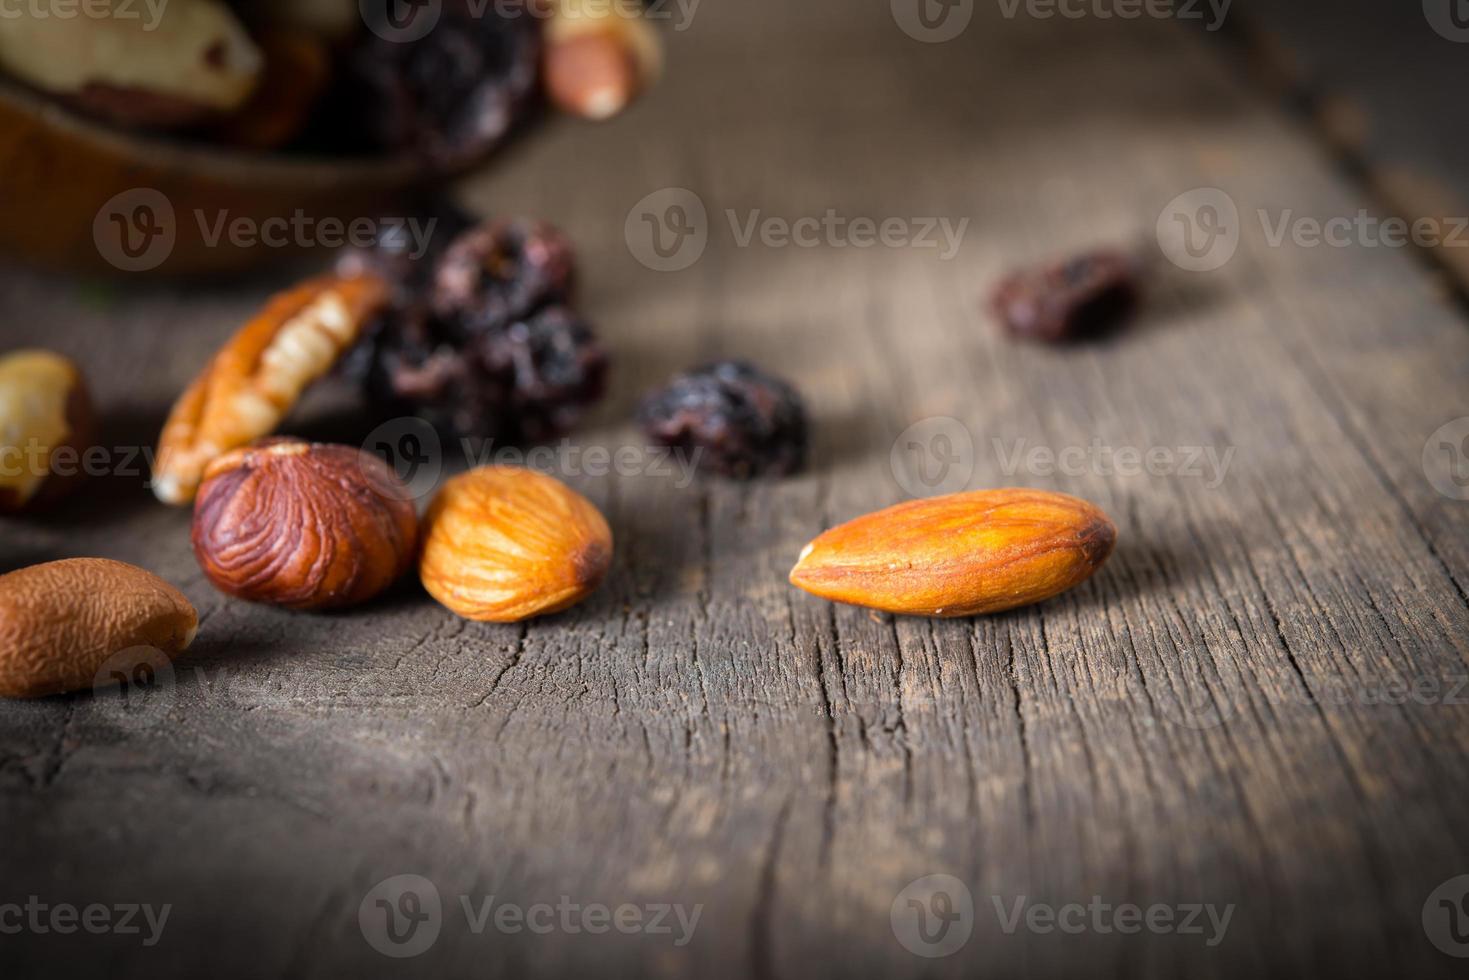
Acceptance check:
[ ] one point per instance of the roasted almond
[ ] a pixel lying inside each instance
(502, 544)
(960, 555)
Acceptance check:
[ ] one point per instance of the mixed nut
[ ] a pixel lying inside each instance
(446, 82)
(480, 338)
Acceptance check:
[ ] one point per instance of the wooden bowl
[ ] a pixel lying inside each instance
(80, 196)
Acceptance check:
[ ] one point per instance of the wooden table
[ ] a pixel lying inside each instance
(1217, 719)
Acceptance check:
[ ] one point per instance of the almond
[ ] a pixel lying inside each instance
(502, 544)
(960, 555)
(60, 622)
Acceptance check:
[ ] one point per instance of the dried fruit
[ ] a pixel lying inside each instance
(303, 525)
(60, 622)
(494, 352)
(503, 544)
(45, 409)
(960, 555)
(1082, 297)
(498, 272)
(188, 61)
(741, 422)
(451, 95)
(250, 385)
(599, 56)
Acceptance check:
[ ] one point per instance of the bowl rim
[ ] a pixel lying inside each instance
(230, 163)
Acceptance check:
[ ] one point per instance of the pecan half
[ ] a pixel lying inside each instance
(250, 385)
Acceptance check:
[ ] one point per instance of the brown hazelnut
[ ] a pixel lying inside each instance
(303, 525)
(44, 409)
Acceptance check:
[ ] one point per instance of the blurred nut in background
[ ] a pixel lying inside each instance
(599, 57)
(502, 544)
(189, 60)
(44, 408)
(303, 525)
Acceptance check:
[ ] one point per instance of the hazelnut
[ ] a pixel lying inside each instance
(303, 525)
(44, 408)
(502, 544)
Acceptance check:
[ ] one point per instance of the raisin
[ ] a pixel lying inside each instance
(482, 342)
(742, 422)
(450, 96)
(500, 272)
(550, 368)
(1085, 296)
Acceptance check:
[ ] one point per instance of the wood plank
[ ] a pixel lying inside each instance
(699, 733)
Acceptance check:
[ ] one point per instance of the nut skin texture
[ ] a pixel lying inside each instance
(503, 544)
(252, 383)
(303, 525)
(45, 402)
(965, 554)
(61, 621)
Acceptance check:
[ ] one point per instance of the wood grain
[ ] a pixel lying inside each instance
(1202, 722)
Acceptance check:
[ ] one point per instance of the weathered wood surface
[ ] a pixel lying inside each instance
(1201, 723)
(1383, 82)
